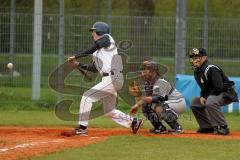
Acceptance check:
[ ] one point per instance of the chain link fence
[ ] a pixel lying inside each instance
(151, 36)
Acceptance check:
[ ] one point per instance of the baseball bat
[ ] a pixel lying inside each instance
(85, 73)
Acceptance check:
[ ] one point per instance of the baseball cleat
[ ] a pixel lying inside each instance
(221, 130)
(178, 131)
(160, 130)
(82, 132)
(136, 124)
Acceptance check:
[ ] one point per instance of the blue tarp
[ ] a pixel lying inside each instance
(187, 85)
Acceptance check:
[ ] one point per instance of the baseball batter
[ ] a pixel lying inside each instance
(161, 101)
(108, 63)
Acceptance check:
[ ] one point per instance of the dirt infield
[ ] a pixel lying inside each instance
(19, 143)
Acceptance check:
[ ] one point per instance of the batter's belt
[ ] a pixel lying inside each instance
(108, 74)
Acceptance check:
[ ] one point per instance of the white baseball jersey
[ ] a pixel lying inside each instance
(107, 59)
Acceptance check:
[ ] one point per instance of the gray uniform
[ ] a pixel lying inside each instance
(175, 99)
(173, 106)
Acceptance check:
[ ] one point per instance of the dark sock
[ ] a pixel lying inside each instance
(83, 127)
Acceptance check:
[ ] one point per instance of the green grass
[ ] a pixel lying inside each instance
(16, 109)
(17, 98)
(142, 148)
(48, 118)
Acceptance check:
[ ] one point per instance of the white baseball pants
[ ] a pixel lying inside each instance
(105, 91)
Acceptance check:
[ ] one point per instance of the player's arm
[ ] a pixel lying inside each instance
(100, 43)
(146, 100)
(153, 99)
(89, 67)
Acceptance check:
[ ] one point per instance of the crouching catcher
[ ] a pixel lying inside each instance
(159, 101)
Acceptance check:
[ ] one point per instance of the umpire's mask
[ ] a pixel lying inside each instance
(195, 56)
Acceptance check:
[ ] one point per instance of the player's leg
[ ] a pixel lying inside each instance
(201, 115)
(165, 112)
(109, 104)
(118, 116)
(158, 127)
(213, 106)
(94, 94)
(178, 106)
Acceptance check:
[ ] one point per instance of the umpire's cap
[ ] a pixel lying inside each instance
(150, 65)
(100, 27)
(197, 52)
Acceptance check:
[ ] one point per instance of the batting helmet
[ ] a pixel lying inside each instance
(150, 65)
(100, 28)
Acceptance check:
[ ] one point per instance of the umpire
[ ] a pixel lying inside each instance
(216, 91)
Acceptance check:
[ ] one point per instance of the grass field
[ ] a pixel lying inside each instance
(131, 147)
(48, 118)
(16, 109)
(142, 148)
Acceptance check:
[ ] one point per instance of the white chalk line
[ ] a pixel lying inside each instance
(94, 137)
(25, 145)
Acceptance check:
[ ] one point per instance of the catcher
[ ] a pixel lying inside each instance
(160, 101)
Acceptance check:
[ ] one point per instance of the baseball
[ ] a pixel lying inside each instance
(10, 66)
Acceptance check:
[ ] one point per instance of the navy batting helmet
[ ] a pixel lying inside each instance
(100, 27)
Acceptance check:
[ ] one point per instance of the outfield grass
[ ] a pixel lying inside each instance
(142, 148)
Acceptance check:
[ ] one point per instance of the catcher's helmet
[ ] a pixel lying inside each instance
(150, 65)
(100, 27)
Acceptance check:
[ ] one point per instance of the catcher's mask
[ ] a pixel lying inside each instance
(196, 55)
(148, 68)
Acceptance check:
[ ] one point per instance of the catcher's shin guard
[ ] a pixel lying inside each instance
(171, 117)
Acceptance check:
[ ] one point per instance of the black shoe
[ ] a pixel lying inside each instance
(136, 124)
(160, 130)
(80, 131)
(221, 130)
(205, 130)
(178, 130)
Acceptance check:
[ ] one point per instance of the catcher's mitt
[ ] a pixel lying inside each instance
(133, 110)
(134, 89)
